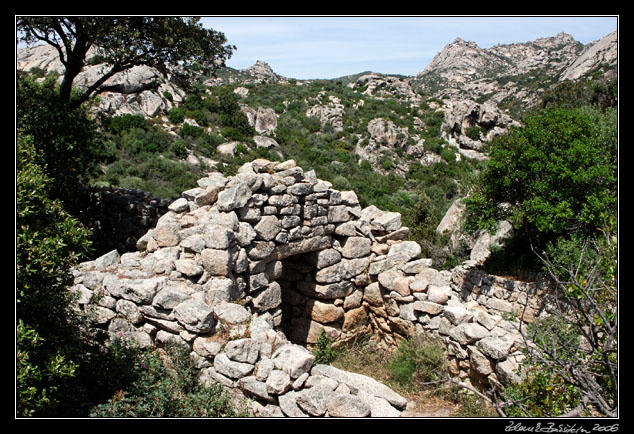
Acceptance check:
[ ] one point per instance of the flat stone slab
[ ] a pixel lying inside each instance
(358, 382)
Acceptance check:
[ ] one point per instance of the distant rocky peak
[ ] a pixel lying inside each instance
(564, 37)
(460, 41)
(601, 54)
(460, 61)
(261, 69)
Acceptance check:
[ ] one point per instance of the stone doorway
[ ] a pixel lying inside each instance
(305, 311)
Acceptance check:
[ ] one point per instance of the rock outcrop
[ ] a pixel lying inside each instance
(600, 54)
(471, 125)
(245, 271)
(507, 73)
(331, 113)
(262, 71)
(386, 86)
(263, 120)
(139, 90)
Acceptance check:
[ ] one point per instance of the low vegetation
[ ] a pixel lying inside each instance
(416, 369)
(165, 385)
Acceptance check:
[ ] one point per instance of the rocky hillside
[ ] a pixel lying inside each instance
(508, 78)
(513, 75)
(601, 54)
(398, 141)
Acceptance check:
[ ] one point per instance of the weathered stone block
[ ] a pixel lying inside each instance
(217, 262)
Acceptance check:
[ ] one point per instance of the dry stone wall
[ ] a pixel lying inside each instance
(118, 217)
(245, 271)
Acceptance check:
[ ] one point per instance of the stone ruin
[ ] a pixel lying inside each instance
(245, 271)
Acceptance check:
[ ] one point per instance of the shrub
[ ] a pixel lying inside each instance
(188, 130)
(166, 386)
(417, 359)
(474, 132)
(176, 115)
(48, 242)
(557, 174)
(324, 352)
(341, 183)
(124, 122)
(39, 373)
(179, 148)
(541, 394)
(64, 137)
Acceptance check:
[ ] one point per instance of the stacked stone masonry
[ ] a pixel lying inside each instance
(244, 271)
(119, 217)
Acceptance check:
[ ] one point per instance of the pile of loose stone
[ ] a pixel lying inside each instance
(245, 270)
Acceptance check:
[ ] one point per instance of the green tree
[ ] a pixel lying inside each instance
(48, 242)
(555, 176)
(124, 42)
(234, 120)
(65, 139)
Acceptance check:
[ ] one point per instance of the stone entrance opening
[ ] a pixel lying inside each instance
(307, 306)
(296, 271)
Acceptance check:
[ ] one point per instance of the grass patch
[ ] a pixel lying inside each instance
(418, 359)
(406, 368)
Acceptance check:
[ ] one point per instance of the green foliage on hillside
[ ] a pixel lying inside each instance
(555, 176)
(65, 139)
(597, 91)
(421, 194)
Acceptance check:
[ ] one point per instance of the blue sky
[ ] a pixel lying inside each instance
(330, 47)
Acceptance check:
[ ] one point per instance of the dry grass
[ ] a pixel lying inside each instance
(366, 356)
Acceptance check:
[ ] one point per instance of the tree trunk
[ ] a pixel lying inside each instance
(75, 61)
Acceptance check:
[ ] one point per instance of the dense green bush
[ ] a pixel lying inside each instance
(234, 121)
(121, 123)
(552, 177)
(48, 242)
(166, 386)
(176, 115)
(192, 131)
(65, 139)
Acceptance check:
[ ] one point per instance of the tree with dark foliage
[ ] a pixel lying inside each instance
(176, 45)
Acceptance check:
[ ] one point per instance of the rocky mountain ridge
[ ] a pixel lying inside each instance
(517, 72)
(460, 68)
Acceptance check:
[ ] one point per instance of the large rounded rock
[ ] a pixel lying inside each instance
(346, 405)
(195, 316)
